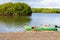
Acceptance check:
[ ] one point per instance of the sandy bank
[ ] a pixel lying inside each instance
(30, 35)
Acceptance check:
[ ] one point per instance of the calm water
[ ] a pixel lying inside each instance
(16, 23)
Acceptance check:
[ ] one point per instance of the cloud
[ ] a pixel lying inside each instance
(5, 1)
(51, 3)
(46, 3)
(38, 3)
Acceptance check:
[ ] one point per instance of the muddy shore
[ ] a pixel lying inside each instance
(30, 35)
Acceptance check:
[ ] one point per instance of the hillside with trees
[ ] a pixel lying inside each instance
(15, 9)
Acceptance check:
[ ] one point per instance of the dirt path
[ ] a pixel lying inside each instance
(30, 35)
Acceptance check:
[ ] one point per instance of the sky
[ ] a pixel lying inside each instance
(37, 3)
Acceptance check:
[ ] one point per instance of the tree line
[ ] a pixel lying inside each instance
(45, 10)
(17, 8)
(22, 9)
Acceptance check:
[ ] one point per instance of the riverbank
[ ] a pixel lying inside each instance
(45, 10)
(31, 35)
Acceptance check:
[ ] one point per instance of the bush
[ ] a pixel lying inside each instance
(20, 9)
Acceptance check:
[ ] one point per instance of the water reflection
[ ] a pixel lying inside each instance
(14, 20)
(16, 23)
(13, 23)
(49, 19)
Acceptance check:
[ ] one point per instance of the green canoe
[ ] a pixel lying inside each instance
(40, 28)
(27, 28)
(50, 29)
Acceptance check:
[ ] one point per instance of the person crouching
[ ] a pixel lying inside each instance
(34, 28)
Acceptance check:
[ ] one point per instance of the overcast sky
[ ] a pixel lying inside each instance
(38, 3)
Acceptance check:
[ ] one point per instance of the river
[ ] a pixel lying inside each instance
(16, 23)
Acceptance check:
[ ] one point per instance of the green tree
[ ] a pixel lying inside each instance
(15, 9)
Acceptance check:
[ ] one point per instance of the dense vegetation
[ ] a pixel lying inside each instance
(45, 10)
(15, 9)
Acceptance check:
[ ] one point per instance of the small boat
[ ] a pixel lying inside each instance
(50, 29)
(27, 27)
(40, 28)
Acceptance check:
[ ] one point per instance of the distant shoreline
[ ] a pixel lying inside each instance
(45, 10)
